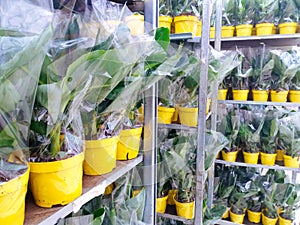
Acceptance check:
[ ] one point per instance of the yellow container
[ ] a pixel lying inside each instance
(175, 115)
(298, 28)
(267, 159)
(287, 28)
(264, 29)
(236, 218)
(240, 95)
(56, 183)
(274, 30)
(199, 28)
(294, 96)
(161, 204)
(229, 156)
(260, 95)
(186, 24)
(251, 158)
(12, 200)
(141, 113)
(165, 114)
(290, 161)
(268, 221)
(283, 221)
(212, 31)
(129, 143)
(185, 210)
(100, 156)
(135, 192)
(226, 214)
(279, 156)
(279, 96)
(227, 31)
(222, 93)
(165, 21)
(244, 30)
(188, 116)
(171, 196)
(253, 217)
(109, 189)
(135, 23)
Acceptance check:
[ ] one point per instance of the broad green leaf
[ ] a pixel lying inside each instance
(162, 36)
(9, 96)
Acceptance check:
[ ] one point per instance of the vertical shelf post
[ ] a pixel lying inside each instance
(214, 99)
(204, 57)
(150, 128)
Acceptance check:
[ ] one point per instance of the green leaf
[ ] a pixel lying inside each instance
(162, 36)
(9, 96)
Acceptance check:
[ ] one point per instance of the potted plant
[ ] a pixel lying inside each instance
(23, 51)
(260, 79)
(267, 136)
(285, 68)
(229, 18)
(254, 208)
(249, 133)
(289, 136)
(165, 19)
(166, 107)
(186, 16)
(266, 15)
(288, 14)
(239, 79)
(230, 125)
(245, 18)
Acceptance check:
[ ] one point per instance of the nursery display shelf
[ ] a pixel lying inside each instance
(176, 126)
(288, 104)
(275, 167)
(93, 186)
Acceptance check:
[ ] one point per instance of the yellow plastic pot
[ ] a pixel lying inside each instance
(294, 96)
(290, 161)
(56, 183)
(260, 95)
(188, 116)
(135, 23)
(165, 21)
(100, 156)
(240, 95)
(199, 28)
(185, 210)
(251, 158)
(171, 196)
(227, 31)
(161, 204)
(279, 156)
(267, 159)
(141, 113)
(229, 156)
(226, 214)
(264, 29)
(283, 221)
(165, 114)
(135, 192)
(186, 24)
(129, 143)
(244, 30)
(274, 30)
(298, 28)
(222, 93)
(175, 115)
(279, 96)
(212, 31)
(268, 221)
(236, 218)
(12, 200)
(253, 217)
(109, 189)
(287, 28)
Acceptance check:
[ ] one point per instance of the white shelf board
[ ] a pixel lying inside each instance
(93, 186)
(287, 104)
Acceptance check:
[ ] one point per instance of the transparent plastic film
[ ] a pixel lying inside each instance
(288, 12)
(165, 7)
(246, 12)
(186, 7)
(266, 11)
(229, 12)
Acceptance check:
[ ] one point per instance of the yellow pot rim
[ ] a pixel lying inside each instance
(267, 154)
(13, 185)
(165, 109)
(162, 198)
(134, 17)
(222, 90)
(231, 153)
(260, 91)
(294, 92)
(101, 142)
(50, 167)
(183, 204)
(283, 219)
(131, 132)
(183, 18)
(186, 109)
(279, 92)
(257, 213)
(259, 25)
(250, 153)
(241, 91)
(287, 24)
(244, 26)
(227, 27)
(167, 19)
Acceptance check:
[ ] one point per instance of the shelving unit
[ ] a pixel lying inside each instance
(93, 186)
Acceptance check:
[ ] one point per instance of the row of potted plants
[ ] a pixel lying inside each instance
(264, 71)
(271, 134)
(65, 103)
(243, 16)
(265, 198)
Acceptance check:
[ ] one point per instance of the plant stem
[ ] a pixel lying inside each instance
(55, 140)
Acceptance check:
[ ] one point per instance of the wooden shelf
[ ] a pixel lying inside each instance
(93, 186)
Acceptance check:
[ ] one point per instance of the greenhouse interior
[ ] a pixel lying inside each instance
(149, 112)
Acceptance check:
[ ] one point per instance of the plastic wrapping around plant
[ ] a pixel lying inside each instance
(165, 7)
(246, 12)
(266, 11)
(288, 12)
(186, 7)
(229, 12)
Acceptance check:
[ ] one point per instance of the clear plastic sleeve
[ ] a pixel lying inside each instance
(288, 11)
(266, 11)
